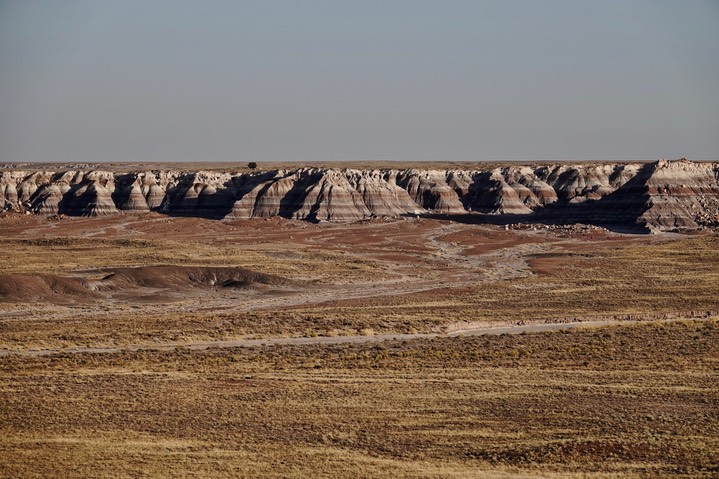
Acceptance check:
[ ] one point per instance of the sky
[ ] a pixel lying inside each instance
(323, 80)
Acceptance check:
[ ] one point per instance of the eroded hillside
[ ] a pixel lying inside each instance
(659, 196)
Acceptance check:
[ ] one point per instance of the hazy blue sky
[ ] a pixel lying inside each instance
(178, 80)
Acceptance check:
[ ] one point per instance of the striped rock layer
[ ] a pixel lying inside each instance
(659, 196)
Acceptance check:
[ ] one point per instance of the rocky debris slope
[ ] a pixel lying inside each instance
(664, 195)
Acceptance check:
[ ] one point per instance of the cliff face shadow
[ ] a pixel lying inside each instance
(187, 199)
(295, 198)
(620, 211)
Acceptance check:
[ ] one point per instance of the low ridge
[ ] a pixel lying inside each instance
(103, 283)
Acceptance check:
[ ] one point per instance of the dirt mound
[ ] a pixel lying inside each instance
(124, 283)
(16, 288)
(116, 279)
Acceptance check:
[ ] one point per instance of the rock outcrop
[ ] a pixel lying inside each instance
(664, 196)
(439, 191)
(659, 196)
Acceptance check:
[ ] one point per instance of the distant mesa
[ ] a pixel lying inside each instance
(660, 196)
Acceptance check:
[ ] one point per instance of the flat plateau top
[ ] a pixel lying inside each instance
(242, 166)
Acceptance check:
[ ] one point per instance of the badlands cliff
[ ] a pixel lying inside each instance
(659, 196)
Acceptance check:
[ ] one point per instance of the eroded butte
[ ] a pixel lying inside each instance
(658, 196)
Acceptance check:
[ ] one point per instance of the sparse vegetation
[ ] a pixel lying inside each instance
(351, 287)
(627, 401)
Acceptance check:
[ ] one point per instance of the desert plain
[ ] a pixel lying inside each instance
(146, 344)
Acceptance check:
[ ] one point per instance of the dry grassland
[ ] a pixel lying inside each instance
(623, 401)
(405, 276)
(638, 400)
